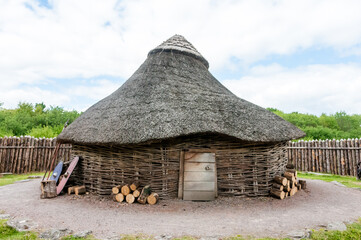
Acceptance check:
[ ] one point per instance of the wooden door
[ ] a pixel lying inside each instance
(200, 176)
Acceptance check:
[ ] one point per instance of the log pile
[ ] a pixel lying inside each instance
(287, 185)
(133, 193)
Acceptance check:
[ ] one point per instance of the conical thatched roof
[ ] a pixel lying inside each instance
(173, 94)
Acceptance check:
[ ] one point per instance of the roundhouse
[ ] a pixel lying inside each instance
(172, 125)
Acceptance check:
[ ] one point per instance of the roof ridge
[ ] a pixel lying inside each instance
(178, 43)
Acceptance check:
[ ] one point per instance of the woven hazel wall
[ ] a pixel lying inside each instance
(103, 168)
(242, 169)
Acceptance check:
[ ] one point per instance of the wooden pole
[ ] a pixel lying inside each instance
(324, 160)
(327, 157)
(31, 150)
(357, 152)
(309, 156)
(349, 162)
(313, 156)
(343, 157)
(8, 161)
(17, 152)
(26, 155)
(353, 158)
(2, 162)
(334, 161)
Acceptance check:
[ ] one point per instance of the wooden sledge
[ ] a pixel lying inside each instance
(66, 175)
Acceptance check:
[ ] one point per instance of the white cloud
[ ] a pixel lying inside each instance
(99, 89)
(312, 89)
(34, 95)
(88, 38)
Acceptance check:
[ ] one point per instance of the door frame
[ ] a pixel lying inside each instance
(181, 169)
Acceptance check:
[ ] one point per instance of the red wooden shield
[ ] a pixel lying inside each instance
(66, 175)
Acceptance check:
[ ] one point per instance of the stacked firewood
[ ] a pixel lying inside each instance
(287, 185)
(131, 193)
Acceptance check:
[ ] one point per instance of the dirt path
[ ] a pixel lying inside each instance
(321, 204)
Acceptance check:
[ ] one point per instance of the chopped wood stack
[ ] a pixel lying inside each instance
(132, 193)
(287, 185)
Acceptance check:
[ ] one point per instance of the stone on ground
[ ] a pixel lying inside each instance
(4, 216)
(82, 234)
(163, 237)
(22, 225)
(338, 184)
(298, 235)
(339, 226)
(34, 177)
(55, 234)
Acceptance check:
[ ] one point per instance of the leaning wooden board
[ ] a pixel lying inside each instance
(67, 175)
(57, 171)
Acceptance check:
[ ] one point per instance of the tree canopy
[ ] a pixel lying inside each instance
(34, 120)
(334, 126)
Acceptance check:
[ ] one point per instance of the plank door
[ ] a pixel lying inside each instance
(200, 177)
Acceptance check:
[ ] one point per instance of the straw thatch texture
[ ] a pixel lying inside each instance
(243, 169)
(173, 94)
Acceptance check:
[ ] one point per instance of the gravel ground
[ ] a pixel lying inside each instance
(321, 204)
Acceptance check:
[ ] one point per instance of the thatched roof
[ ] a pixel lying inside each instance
(173, 94)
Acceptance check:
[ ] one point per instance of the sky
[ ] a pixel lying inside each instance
(302, 56)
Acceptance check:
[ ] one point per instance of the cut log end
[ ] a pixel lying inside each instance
(115, 190)
(125, 190)
(134, 186)
(130, 198)
(136, 193)
(119, 197)
(153, 198)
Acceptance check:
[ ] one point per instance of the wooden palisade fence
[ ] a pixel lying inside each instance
(326, 156)
(29, 154)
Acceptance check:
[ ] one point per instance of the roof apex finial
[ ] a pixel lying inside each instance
(178, 43)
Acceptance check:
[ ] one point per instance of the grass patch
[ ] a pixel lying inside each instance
(71, 237)
(353, 232)
(10, 233)
(135, 237)
(348, 181)
(9, 179)
(239, 237)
